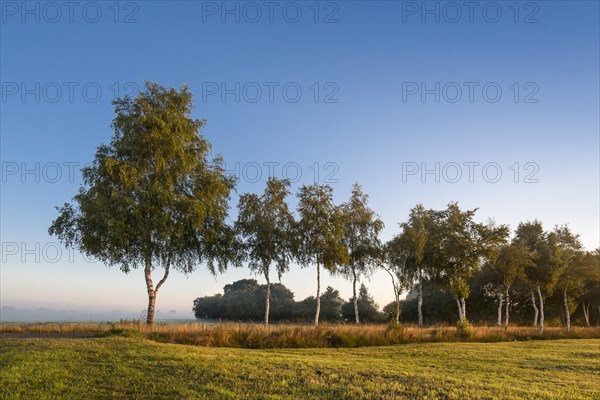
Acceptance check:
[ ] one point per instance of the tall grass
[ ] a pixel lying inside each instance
(257, 336)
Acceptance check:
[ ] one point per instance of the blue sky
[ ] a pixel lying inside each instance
(385, 88)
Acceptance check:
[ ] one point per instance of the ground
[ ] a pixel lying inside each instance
(137, 368)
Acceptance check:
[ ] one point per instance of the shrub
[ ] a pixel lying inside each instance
(463, 330)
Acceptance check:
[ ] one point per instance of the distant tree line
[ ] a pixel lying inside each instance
(154, 199)
(244, 300)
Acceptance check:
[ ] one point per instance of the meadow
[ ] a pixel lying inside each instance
(130, 366)
(258, 336)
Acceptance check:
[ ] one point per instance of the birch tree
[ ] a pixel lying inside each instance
(419, 240)
(320, 233)
(464, 245)
(361, 238)
(393, 257)
(510, 265)
(590, 297)
(152, 198)
(570, 260)
(265, 226)
(543, 273)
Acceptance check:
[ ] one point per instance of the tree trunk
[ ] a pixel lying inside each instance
(150, 290)
(356, 319)
(464, 309)
(268, 300)
(420, 304)
(397, 309)
(318, 295)
(567, 312)
(539, 290)
(500, 301)
(586, 313)
(506, 310)
(535, 309)
(153, 291)
(150, 312)
(396, 294)
(460, 312)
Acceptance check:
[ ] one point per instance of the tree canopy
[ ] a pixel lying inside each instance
(152, 197)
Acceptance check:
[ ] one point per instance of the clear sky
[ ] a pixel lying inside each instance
(497, 103)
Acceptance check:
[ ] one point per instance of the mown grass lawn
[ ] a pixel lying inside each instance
(119, 367)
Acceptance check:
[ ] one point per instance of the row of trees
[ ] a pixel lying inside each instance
(443, 248)
(152, 198)
(340, 239)
(244, 300)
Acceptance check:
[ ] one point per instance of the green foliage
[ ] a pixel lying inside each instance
(243, 300)
(152, 193)
(463, 330)
(361, 234)
(152, 197)
(464, 244)
(331, 305)
(413, 254)
(320, 229)
(266, 225)
(543, 270)
(320, 233)
(367, 308)
(361, 237)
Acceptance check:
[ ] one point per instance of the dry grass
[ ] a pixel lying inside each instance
(245, 335)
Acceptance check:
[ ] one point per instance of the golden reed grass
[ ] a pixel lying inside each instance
(252, 335)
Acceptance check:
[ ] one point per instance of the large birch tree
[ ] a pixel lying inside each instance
(152, 198)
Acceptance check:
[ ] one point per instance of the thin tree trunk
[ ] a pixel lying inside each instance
(539, 290)
(536, 314)
(420, 303)
(586, 313)
(500, 301)
(318, 295)
(460, 313)
(152, 291)
(567, 312)
(268, 300)
(506, 314)
(464, 309)
(356, 319)
(397, 308)
(396, 294)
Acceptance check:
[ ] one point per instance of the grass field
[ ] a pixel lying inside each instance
(137, 368)
(257, 336)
